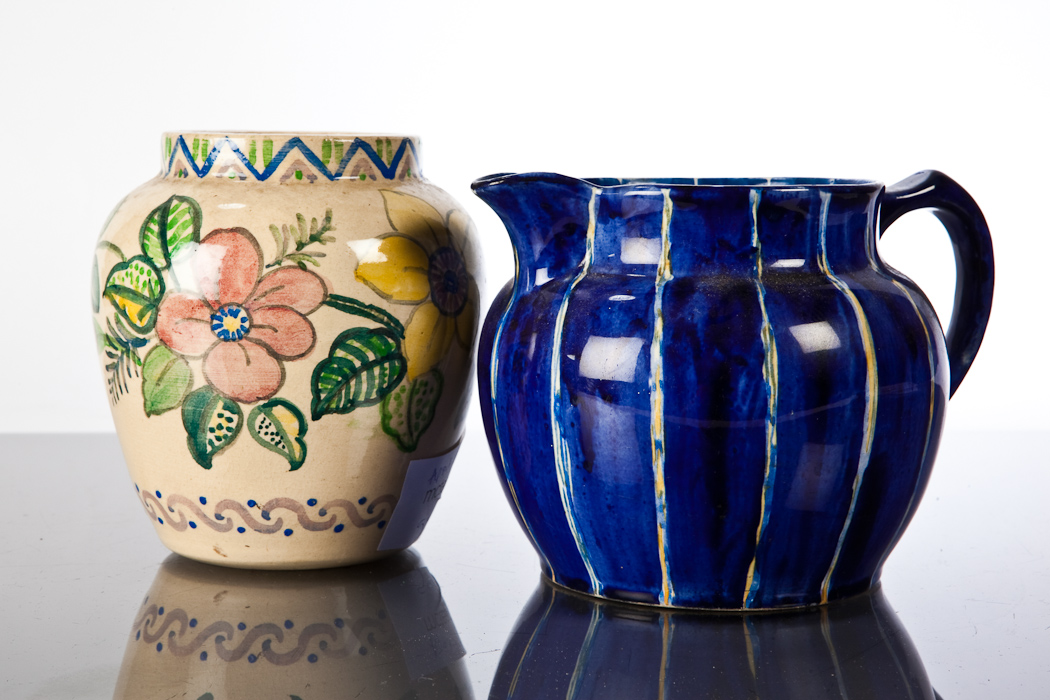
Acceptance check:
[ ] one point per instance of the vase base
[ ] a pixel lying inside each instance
(251, 553)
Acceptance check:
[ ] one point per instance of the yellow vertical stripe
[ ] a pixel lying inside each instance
(562, 458)
(667, 627)
(770, 369)
(541, 628)
(871, 388)
(493, 378)
(656, 400)
(825, 631)
(584, 657)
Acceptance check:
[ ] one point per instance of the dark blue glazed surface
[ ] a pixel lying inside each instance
(716, 394)
(566, 646)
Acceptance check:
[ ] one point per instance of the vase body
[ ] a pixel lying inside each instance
(285, 324)
(708, 395)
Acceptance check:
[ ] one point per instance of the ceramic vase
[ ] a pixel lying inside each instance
(714, 393)
(285, 325)
(379, 630)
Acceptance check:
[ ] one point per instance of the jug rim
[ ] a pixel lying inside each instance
(680, 182)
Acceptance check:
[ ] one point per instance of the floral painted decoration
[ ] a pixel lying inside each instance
(242, 326)
(213, 301)
(430, 275)
(421, 263)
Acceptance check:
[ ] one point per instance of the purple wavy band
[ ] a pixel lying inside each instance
(175, 633)
(179, 512)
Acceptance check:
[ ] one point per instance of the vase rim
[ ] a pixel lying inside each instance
(289, 156)
(242, 133)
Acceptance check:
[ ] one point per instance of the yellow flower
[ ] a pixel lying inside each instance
(422, 262)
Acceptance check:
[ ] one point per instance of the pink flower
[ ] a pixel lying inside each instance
(243, 326)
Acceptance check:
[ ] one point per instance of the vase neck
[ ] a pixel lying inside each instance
(288, 157)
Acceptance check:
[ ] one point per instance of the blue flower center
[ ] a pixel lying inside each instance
(449, 282)
(230, 323)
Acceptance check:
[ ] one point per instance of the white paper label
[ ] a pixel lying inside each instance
(422, 490)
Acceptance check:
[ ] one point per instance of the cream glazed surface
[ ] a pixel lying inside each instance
(285, 324)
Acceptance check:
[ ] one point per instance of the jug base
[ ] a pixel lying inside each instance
(617, 597)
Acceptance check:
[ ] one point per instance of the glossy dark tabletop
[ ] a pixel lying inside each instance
(89, 611)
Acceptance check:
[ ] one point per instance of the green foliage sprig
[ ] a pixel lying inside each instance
(299, 235)
(121, 348)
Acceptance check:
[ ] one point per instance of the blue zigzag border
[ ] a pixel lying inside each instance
(388, 171)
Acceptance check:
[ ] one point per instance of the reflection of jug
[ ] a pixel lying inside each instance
(714, 393)
(376, 630)
(567, 646)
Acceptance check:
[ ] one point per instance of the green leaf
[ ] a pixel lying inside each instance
(212, 423)
(105, 254)
(279, 426)
(408, 411)
(166, 378)
(169, 228)
(135, 288)
(349, 305)
(363, 366)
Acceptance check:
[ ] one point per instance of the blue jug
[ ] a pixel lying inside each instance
(714, 393)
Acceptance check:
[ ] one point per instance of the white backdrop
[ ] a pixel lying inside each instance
(847, 89)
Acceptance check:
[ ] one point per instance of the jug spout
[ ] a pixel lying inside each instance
(547, 217)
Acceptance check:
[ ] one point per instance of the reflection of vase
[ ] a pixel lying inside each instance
(378, 630)
(285, 323)
(565, 645)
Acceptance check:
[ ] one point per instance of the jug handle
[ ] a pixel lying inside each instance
(974, 263)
